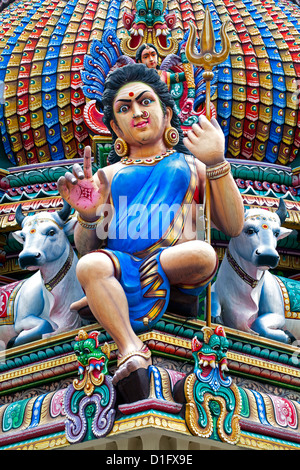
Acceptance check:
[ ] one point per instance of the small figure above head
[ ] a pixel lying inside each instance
(147, 54)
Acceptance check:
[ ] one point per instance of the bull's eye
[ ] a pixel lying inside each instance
(250, 231)
(51, 232)
(276, 233)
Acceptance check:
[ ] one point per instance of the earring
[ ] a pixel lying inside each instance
(121, 147)
(171, 137)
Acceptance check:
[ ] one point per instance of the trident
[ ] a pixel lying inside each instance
(207, 59)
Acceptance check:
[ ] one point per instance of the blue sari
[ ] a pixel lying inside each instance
(151, 203)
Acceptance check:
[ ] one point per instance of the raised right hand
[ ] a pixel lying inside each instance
(83, 191)
(206, 141)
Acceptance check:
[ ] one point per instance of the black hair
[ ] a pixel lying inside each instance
(137, 73)
(138, 55)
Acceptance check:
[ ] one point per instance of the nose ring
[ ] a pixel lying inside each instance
(145, 114)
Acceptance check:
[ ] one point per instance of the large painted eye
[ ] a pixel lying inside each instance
(51, 232)
(142, 12)
(146, 101)
(157, 12)
(123, 109)
(250, 231)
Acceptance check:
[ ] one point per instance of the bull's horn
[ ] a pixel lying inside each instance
(19, 215)
(281, 211)
(65, 211)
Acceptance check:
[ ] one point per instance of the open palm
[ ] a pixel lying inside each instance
(84, 191)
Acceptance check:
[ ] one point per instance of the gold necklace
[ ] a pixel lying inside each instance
(146, 161)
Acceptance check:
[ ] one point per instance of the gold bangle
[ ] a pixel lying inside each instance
(218, 171)
(89, 225)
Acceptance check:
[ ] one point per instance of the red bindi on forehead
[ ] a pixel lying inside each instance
(131, 93)
(147, 51)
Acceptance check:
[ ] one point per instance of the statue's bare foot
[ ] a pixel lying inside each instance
(131, 362)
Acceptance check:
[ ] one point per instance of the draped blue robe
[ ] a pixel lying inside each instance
(151, 203)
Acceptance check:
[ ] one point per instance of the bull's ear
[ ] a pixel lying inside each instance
(284, 232)
(69, 226)
(17, 236)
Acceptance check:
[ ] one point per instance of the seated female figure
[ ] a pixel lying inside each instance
(145, 243)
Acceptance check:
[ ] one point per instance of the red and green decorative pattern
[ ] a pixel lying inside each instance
(43, 43)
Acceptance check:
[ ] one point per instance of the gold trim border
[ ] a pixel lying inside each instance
(54, 340)
(259, 442)
(152, 335)
(263, 364)
(46, 443)
(149, 420)
(154, 421)
(42, 366)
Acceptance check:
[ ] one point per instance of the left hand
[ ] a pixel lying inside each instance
(206, 141)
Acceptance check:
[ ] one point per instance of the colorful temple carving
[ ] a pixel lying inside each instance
(211, 385)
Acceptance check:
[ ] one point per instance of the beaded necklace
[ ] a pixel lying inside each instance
(146, 161)
(61, 273)
(241, 273)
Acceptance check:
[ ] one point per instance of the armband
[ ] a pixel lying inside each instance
(218, 171)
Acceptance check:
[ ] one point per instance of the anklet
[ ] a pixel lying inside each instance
(143, 352)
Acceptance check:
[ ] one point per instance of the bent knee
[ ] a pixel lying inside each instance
(204, 255)
(94, 266)
(201, 263)
(189, 263)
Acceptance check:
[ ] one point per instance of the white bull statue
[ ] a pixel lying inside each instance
(40, 305)
(246, 296)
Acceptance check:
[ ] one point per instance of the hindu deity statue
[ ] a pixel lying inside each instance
(136, 216)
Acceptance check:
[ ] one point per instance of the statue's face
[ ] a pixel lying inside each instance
(139, 115)
(149, 57)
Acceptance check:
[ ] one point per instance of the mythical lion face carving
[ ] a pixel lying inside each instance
(149, 24)
(92, 360)
(212, 352)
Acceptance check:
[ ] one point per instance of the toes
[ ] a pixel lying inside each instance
(131, 365)
(121, 373)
